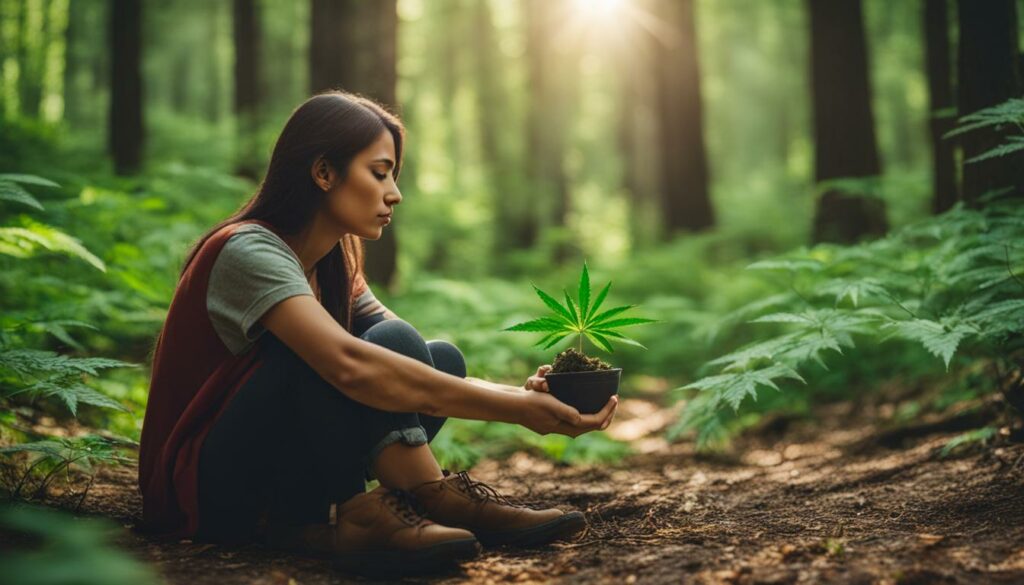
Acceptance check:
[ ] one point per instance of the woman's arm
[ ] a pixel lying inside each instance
(389, 314)
(383, 379)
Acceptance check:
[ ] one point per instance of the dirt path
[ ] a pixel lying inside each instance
(835, 508)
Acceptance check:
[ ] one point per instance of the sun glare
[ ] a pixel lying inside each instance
(604, 10)
(599, 20)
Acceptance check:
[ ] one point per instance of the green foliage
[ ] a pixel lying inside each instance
(64, 550)
(1008, 113)
(581, 317)
(37, 373)
(48, 457)
(950, 284)
(976, 436)
(41, 374)
(45, 374)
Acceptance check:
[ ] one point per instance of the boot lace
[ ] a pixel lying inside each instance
(482, 492)
(405, 506)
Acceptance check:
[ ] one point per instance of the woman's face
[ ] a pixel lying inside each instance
(362, 204)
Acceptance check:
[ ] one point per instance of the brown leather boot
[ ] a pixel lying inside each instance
(382, 533)
(458, 500)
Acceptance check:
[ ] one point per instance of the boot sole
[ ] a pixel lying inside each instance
(562, 527)
(399, 563)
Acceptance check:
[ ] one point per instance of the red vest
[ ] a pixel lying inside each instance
(194, 377)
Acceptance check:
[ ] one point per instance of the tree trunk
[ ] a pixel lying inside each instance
(248, 89)
(332, 56)
(5, 49)
(685, 196)
(989, 74)
(844, 126)
(512, 204)
(125, 120)
(354, 46)
(551, 93)
(940, 94)
(382, 84)
(31, 58)
(211, 105)
(637, 131)
(71, 95)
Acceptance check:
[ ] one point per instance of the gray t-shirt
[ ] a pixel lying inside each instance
(254, 271)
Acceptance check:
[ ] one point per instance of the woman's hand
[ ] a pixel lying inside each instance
(537, 382)
(544, 414)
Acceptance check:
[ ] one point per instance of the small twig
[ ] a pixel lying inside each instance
(85, 492)
(899, 304)
(24, 478)
(792, 286)
(66, 464)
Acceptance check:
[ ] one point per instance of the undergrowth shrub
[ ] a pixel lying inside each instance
(952, 285)
(30, 372)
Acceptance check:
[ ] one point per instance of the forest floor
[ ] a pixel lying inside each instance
(830, 500)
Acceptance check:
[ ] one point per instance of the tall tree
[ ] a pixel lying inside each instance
(248, 43)
(940, 100)
(214, 90)
(513, 223)
(552, 78)
(31, 54)
(331, 56)
(637, 133)
(72, 101)
(354, 46)
(686, 198)
(126, 136)
(989, 74)
(844, 125)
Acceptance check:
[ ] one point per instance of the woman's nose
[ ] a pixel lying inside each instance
(393, 197)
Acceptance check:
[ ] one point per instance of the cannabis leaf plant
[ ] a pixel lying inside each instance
(581, 317)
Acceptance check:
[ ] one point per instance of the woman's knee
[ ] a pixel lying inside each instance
(447, 357)
(401, 337)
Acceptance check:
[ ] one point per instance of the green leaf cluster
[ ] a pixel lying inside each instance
(65, 549)
(952, 284)
(581, 317)
(33, 373)
(1007, 114)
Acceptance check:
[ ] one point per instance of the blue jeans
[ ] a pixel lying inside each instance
(289, 443)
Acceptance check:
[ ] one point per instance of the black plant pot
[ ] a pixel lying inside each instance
(588, 392)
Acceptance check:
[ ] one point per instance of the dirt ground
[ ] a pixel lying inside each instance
(800, 502)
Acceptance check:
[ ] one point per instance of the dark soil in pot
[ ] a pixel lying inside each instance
(582, 382)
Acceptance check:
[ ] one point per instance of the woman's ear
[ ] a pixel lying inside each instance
(323, 175)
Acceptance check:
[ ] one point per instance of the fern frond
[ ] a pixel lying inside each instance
(1008, 112)
(797, 265)
(15, 193)
(71, 394)
(24, 242)
(733, 388)
(1012, 145)
(941, 339)
(854, 289)
(27, 362)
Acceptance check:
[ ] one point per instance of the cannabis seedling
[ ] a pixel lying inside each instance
(580, 317)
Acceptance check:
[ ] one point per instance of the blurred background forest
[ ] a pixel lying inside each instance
(671, 145)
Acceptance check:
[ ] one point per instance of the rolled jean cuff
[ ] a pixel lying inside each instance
(411, 436)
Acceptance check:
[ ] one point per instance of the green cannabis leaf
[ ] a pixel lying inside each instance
(580, 317)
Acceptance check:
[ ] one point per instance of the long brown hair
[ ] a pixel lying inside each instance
(334, 125)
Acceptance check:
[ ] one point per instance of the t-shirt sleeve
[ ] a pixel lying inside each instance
(364, 303)
(254, 271)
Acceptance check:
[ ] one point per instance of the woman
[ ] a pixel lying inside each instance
(280, 383)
